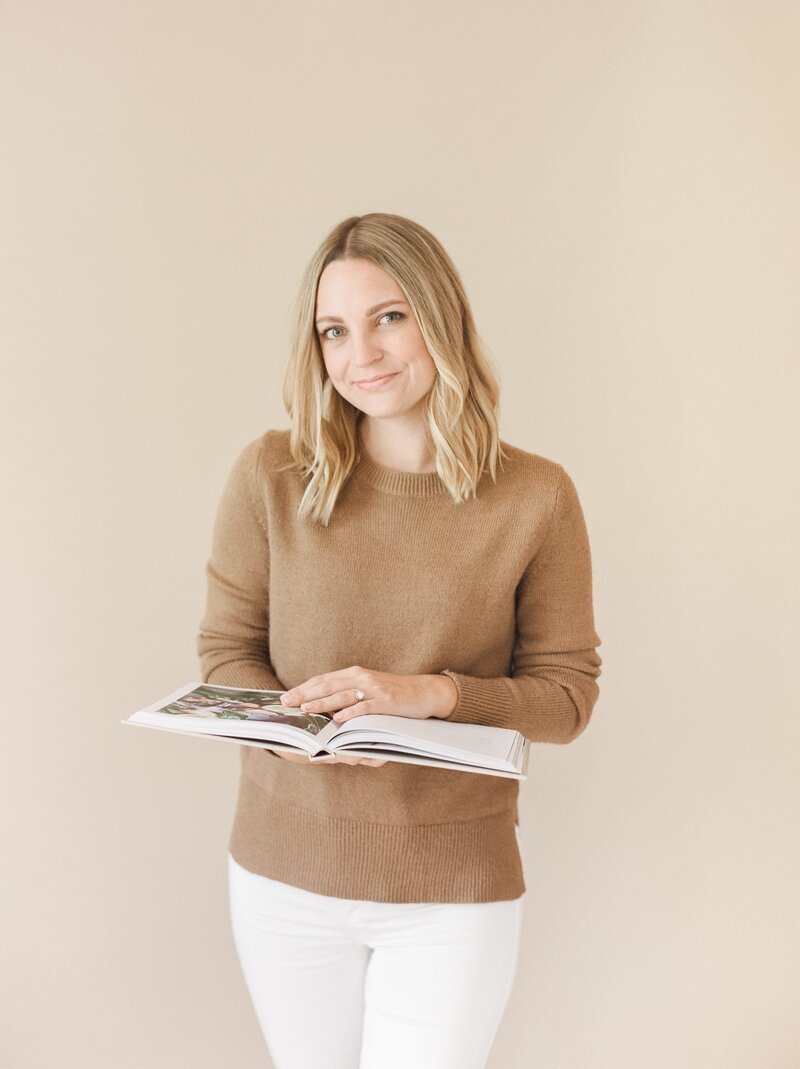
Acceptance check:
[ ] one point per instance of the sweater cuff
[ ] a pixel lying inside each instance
(249, 675)
(480, 701)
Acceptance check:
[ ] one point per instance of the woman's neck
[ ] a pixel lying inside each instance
(408, 449)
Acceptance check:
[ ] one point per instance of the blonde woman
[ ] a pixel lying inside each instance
(389, 554)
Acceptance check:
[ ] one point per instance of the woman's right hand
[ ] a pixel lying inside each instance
(341, 759)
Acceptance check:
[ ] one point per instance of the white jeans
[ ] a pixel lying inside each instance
(339, 983)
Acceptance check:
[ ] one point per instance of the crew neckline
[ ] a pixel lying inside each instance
(394, 481)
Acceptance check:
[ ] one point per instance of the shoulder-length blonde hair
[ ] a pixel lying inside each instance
(461, 412)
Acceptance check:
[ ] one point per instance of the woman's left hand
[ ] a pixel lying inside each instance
(385, 694)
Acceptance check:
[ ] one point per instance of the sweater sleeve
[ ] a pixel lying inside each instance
(553, 684)
(233, 641)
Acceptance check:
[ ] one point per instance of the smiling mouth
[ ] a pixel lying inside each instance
(376, 382)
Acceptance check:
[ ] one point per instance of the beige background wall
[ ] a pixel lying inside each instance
(618, 184)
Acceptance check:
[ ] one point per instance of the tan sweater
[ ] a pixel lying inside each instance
(496, 591)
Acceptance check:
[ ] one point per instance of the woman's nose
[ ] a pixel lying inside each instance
(364, 351)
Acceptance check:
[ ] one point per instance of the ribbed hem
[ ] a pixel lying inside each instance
(392, 481)
(464, 861)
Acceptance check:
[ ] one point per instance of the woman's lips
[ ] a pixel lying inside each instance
(376, 384)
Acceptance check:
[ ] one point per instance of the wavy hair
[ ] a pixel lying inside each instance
(461, 407)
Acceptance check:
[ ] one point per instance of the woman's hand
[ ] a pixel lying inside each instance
(419, 697)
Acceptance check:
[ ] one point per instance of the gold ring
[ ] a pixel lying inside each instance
(358, 695)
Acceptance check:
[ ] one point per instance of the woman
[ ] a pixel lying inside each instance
(389, 554)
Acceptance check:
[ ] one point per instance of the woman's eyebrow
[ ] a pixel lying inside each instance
(369, 312)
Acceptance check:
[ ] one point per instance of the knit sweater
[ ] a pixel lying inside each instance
(494, 591)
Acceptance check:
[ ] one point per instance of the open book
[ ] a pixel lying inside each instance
(256, 718)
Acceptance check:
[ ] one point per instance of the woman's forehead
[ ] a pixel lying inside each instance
(354, 282)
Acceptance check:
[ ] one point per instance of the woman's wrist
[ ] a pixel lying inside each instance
(447, 696)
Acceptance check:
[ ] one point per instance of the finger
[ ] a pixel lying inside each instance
(320, 686)
(330, 703)
(361, 708)
(299, 693)
(351, 759)
(313, 688)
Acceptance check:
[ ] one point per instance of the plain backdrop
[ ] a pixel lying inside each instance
(617, 183)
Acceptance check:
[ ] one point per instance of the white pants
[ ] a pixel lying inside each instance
(339, 983)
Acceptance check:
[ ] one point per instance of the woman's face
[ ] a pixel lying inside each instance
(376, 357)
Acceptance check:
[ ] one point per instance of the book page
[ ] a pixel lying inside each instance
(218, 710)
(432, 736)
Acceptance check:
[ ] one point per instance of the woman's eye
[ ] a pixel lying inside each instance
(327, 333)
